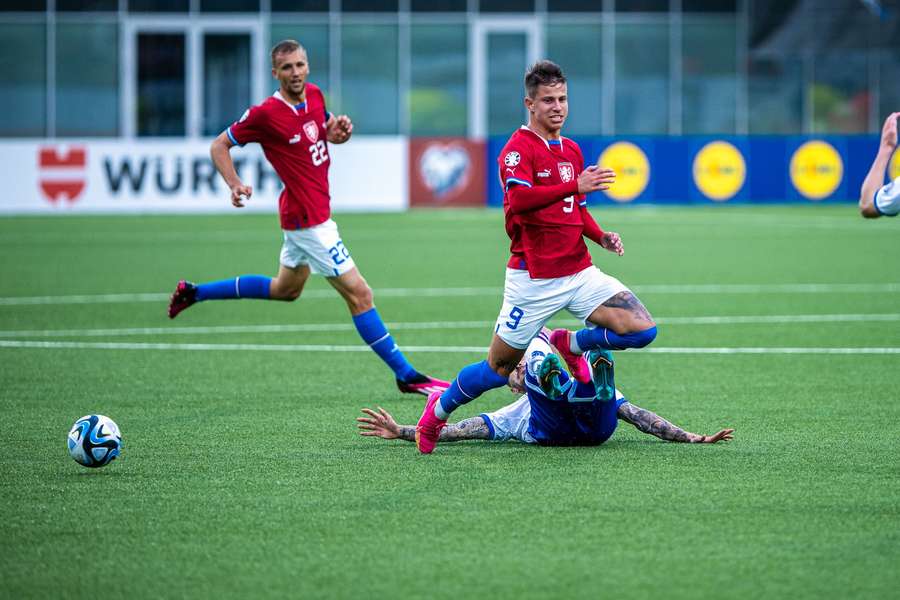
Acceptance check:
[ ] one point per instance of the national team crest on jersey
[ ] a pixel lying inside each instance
(566, 171)
(511, 159)
(311, 130)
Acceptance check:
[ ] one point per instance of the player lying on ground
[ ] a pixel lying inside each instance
(875, 198)
(550, 268)
(293, 128)
(553, 411)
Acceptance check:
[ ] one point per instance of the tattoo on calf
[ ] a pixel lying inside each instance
(650, 422)
(628, 301)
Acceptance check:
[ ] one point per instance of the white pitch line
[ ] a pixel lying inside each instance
(448, 349)
(727, 288)
(432, 325)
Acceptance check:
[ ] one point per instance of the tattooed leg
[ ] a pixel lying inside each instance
(628, 302)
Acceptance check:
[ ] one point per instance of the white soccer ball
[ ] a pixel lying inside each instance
(94, 441)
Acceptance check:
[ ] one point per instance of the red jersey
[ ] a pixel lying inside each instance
(548, 241)
(293, 140)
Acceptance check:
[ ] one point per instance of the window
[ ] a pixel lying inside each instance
(87, 82)
(23, 58)
(161, 84)
(299, 5)
(369, 93)
(226, 79)
(438, 95)
(506, 5)
(369, 5)
(642, 78)
(158, 5)
(576, 48)
(709, 80)
(87, 5)
(438, 5)
(575, 5)
(23, 6)
(220, 6)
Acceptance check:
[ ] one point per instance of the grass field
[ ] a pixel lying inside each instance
(242, 474)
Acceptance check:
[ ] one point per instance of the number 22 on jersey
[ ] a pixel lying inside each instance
(320, 153)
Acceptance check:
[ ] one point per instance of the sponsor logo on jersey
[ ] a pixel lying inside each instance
(631, 167)
(544, 173)
(719, 171)
(566, 171)
(816, 169)
(512, 159)
(62, 172)
(444, 168)
(312, 131)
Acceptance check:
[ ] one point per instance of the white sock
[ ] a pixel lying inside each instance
(573, 344)
(439, 411)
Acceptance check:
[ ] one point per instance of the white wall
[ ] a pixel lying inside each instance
(172, 176)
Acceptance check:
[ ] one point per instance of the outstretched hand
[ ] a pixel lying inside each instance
(723, 436)
(595, 179)
(379, 423)
(612, 242)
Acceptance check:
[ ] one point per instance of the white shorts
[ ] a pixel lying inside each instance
(529, 303)
(887, 199)
(511, 422)
(320, 247)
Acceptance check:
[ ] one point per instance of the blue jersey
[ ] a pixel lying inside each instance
(576, 419)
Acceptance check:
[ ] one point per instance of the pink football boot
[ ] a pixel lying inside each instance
(576, 363)
(428, 429)
(423, 384)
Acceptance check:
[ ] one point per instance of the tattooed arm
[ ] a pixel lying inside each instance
(653, 424)
(380, 423)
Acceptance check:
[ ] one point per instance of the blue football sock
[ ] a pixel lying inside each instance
(373, 332)
(471, 382)
(601, 337)
(245, 286)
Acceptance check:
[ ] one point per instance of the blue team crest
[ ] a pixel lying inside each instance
(444, 168)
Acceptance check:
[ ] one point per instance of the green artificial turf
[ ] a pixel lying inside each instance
(242, 474)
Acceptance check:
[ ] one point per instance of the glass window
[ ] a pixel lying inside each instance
(229, 5)
(299, 5)
(575, 5)
(23, 58)
(439, 92)
(507, 61)
(709, 6)
(506, 5)
(314, 39)
(889, 75)
(87, 80)
(23, 6)
(642, 78)
(369, 5)
(87, 5)
(158, 5)
(709, 80)
(226, 79)
(438, 5)
(775, 93)
(642, 5)
(160, 89)
(840, 92)
(369, 89)
(577, 49)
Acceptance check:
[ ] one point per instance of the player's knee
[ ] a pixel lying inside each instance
(643, 338)
(501, 366)
(361, 299)
(286, 292)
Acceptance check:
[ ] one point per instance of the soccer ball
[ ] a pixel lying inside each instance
(94, 441)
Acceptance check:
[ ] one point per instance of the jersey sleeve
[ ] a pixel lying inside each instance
(249, 128)
(887, 199)
(516, 165)
(579, 167)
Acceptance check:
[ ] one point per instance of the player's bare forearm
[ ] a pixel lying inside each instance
(652, 424)
(220, 152)
(467, 429)
(873, 182)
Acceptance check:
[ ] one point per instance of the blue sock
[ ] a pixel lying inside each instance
(245, 286)
(471, 382)
(601, 337)
(373, 332)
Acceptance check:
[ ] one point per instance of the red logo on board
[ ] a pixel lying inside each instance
(62, 173)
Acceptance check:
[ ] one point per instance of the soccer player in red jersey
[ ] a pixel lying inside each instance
(294, 128)
(550, 269)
